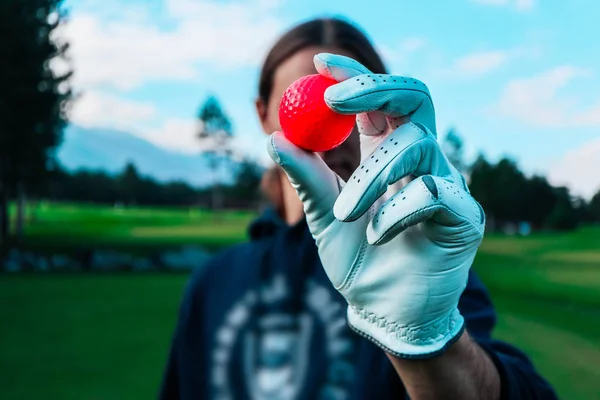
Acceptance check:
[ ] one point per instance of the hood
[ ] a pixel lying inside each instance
(269, 223)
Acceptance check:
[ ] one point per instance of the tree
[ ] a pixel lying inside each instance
(564, 215)
(453, 146)
(33, 100)
(594, 207)
(247, 183)
(130, 183)
(215, 134)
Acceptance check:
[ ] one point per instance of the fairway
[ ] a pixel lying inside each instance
(70, 228)
(106, 336)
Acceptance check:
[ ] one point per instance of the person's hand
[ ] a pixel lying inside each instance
(397, 240)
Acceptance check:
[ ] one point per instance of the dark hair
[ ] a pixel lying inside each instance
(318, 32)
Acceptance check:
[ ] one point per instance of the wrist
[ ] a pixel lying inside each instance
(463, 371)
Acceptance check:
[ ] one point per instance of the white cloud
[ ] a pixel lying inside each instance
(179, 134)
(481, 63)
(521, 5)
(396, 54)
(524, 5)
(492, 2)
(412, 44)
(100, 109)
(537, 100)
(132, 49)
(578, 170)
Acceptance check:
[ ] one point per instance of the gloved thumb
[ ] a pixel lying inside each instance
(317, 186)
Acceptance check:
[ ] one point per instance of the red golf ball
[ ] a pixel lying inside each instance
(307, 121)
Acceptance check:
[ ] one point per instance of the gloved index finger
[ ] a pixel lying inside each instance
(337, 67)
(393, 95)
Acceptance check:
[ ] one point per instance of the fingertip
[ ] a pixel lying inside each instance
(371, 235)
(272, 148)
(340, 212)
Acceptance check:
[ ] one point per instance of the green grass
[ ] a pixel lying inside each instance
(83, 336)
(70, 228)
(106, 336)
(546, 289)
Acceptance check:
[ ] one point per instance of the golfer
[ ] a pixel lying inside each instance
(357, 282)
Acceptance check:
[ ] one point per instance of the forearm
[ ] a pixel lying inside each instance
(464, 371)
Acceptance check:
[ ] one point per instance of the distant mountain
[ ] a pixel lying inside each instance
(111, 150)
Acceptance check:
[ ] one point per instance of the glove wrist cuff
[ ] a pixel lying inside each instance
(425, 341)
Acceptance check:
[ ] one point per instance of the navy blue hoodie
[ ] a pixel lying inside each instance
(262, 321)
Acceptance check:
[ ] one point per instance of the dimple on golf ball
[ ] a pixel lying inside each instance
(307, 121)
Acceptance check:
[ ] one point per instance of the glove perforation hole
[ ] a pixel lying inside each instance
(362, 167)
(404, 198)
(358, 181)
(381, 148)
(395, 144)
(362, 83)
(377, 160)
(385, 152)
(372, 156)
(367, 171)
(393, 204)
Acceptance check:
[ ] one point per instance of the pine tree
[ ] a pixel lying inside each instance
(215, 134)
(34, 98)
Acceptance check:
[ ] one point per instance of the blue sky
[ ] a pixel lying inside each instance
(514, 77)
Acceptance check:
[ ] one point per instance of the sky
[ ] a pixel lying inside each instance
(518, 78)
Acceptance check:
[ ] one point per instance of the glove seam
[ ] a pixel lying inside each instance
(477, 227)
(410, 356)
(387, 164)
(403, 330)
(407, 216)
(361, 110)
(357, 261)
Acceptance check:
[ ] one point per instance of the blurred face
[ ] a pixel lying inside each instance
(343, 159)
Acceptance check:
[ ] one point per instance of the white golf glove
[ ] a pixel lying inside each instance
(397, 240)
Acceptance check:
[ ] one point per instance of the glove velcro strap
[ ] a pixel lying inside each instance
(402, 341)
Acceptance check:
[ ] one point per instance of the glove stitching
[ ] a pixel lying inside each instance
(381, 171)
(357, 262)
(410, 335)
(408, 215)
(274, 150)
(410, 356)
(444, 204)
(464, 219)
(361, 110)
(403, 219)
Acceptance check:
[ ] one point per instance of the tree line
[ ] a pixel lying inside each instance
(129, 188)
(509, 196)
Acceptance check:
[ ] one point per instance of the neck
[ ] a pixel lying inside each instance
(293, 211)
